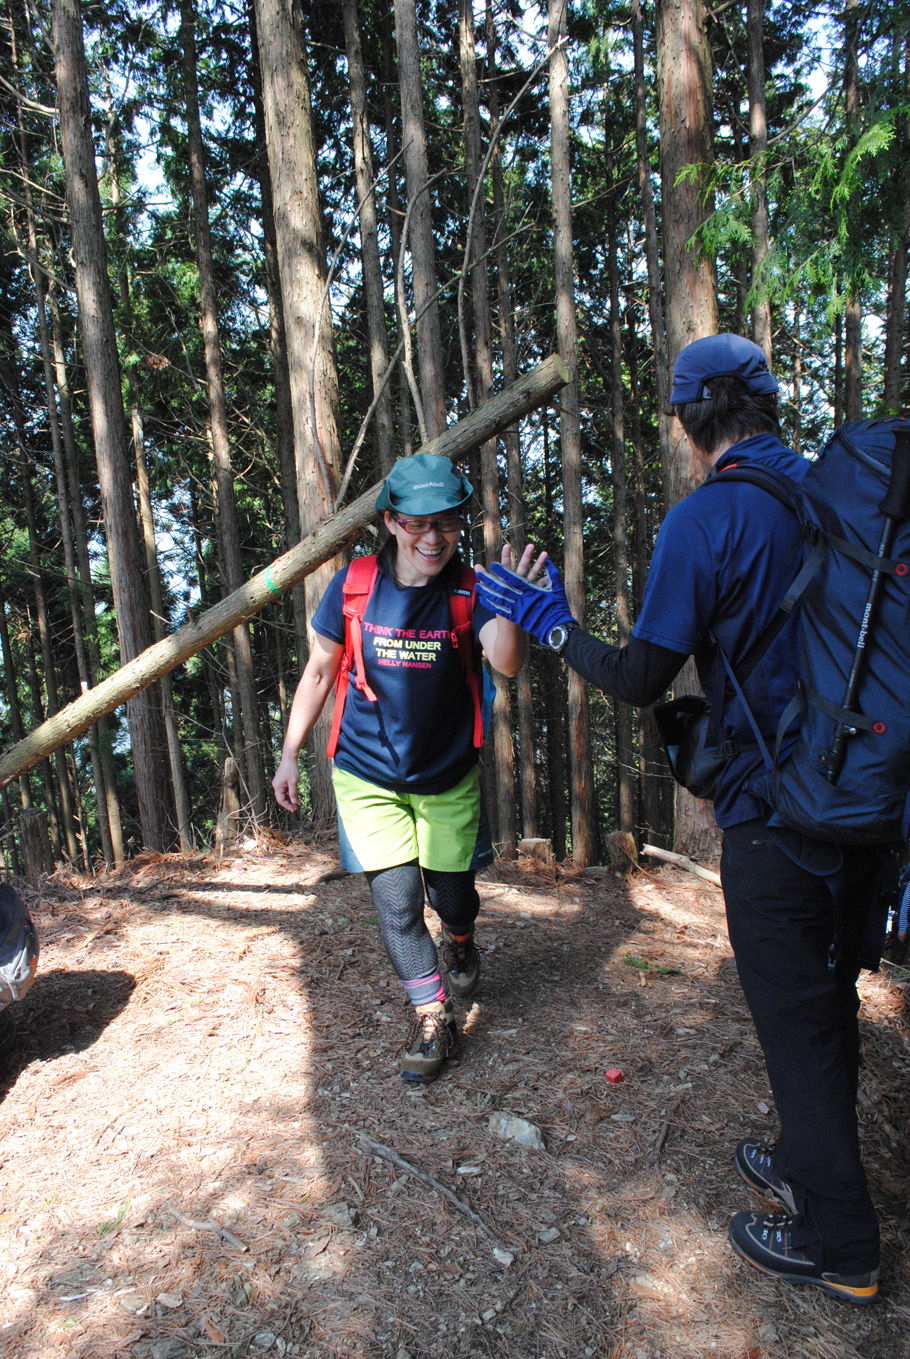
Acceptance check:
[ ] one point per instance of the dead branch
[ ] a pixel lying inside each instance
(215, 1228)
(372, 1148)
(681, 861)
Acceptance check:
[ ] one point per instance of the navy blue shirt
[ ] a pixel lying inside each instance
(722, 562)
(419, 736)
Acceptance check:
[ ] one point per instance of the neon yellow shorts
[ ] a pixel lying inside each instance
(380, 828)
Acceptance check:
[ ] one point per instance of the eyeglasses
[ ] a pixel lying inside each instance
(446, 523)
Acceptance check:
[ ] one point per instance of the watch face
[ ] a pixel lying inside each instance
(558, 637)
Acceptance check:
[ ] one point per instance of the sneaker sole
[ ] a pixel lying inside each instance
(764, 1188)
(860, 1297)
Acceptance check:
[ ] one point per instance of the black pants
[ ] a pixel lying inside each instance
(781, 921)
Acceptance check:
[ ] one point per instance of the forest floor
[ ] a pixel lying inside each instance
(184, 1163)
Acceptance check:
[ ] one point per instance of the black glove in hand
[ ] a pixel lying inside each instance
(535, 608)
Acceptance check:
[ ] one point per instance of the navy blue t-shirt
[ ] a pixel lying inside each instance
(419, 736)
(722, 562)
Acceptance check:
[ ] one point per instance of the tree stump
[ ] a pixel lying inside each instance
(537, 849)
(37, 857)
(227, 827)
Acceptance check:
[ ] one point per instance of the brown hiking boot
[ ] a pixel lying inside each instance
(433, 1040)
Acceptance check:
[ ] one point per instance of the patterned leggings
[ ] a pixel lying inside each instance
(398, 894)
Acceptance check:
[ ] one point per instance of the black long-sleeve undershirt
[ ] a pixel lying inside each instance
(639, 673)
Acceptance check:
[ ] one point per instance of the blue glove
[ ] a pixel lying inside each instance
(536, 608)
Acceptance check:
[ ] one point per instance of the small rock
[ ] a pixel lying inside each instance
(134, 1303)
(503, 1257)
(341, 1215)
(263, 1340)
(515, 1129)
(169, 1348)
(548, 1235)
(170, 1300)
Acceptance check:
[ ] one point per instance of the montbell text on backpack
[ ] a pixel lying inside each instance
(847, 778)
(357, 589)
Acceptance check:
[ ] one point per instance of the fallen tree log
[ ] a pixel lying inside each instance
(681, 861)
(483, 423)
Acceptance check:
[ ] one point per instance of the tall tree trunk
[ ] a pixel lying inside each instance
(102, 372)
(89, 628)
(301, 263)
(284, 417)
(514, 479)
(895, 331)
(250, 756)
(853, 313)
(390, 81)
(369, 240)
(655, 780)
(758, 148)
(652, 257)
(52, 695)
(423, 269)
(146, 514)
(553, 673)
(584, 815)
(625, 778)
(503, 754)
(39, 282)
(11, 697)
(684, 90)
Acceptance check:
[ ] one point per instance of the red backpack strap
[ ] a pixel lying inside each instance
(461, 609)
(356, 590)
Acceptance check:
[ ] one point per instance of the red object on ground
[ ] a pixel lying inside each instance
(614, 1075)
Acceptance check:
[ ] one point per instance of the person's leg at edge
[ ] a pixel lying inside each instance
(454, 898)
(398, 895)
(780, 924)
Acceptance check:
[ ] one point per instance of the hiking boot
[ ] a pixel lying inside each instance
(433, 1040)
(753, 1161)
(764, 1243)
(462, 962)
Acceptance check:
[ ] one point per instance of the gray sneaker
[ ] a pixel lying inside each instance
(462, 962)
(432, 1041)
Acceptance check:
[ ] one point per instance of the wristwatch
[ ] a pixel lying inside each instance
(558, 637)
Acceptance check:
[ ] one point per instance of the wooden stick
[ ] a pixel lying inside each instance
(681, 861)
(372, 1148)
(214, 1227)
(526, 394)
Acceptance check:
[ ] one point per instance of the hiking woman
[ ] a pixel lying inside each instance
(405, 773)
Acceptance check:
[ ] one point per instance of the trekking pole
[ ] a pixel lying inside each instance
(895, 507)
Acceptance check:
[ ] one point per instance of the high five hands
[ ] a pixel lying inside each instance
(517, 595)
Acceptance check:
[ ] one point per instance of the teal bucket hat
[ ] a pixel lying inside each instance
(426, 483)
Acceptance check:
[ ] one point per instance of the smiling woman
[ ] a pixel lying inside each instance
(405, 630)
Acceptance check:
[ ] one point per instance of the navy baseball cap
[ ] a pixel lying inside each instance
(719, 356)
(426, 483)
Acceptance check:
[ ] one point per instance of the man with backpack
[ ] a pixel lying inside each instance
(399, 637)
(797, 908)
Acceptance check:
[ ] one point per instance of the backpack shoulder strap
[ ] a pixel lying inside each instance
(789, 493)
(769, 479)
(461, 610)
(356, 590)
